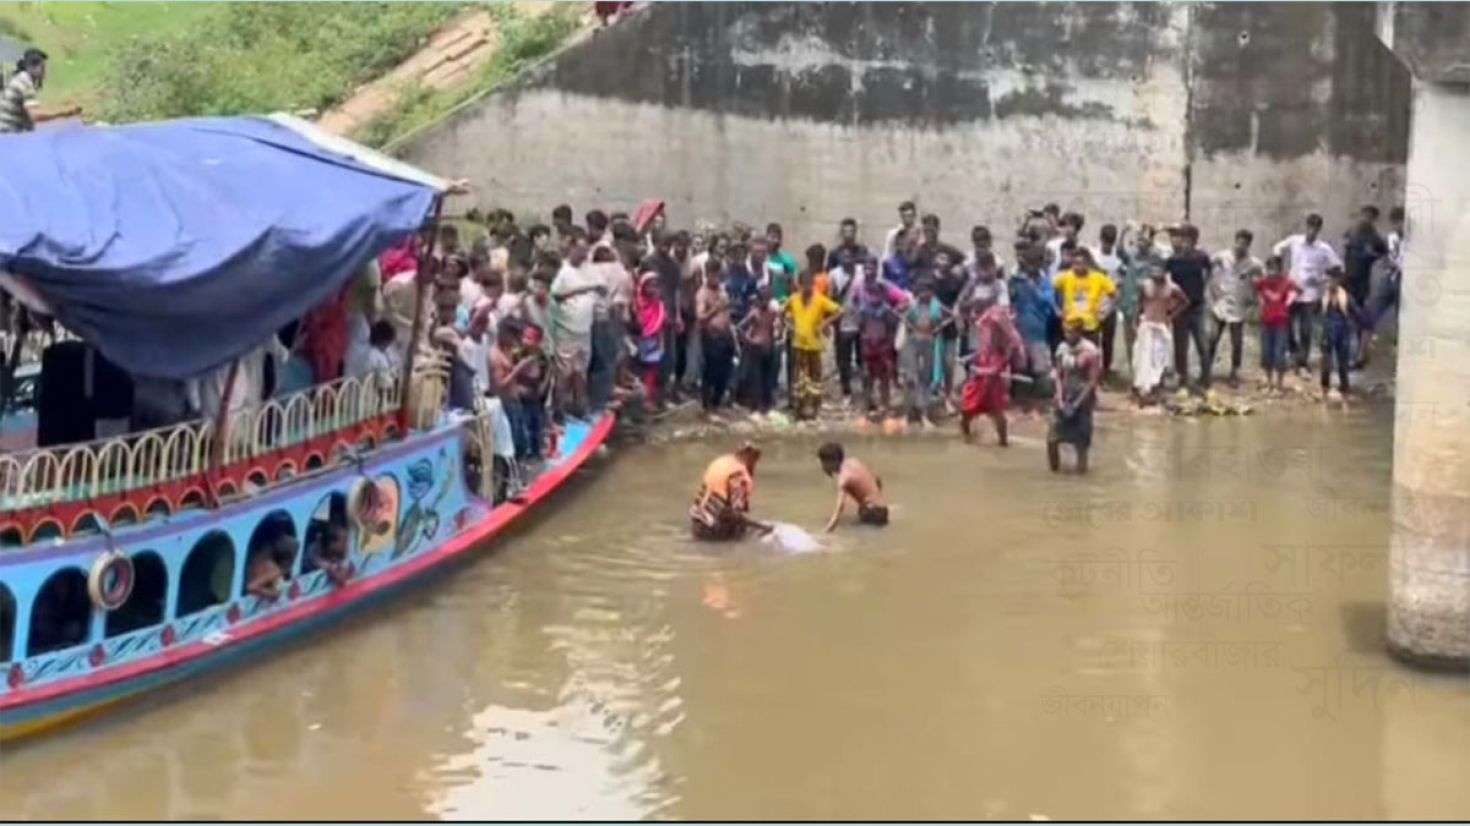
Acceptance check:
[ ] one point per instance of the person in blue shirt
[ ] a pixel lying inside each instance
(1034, 306)
(740, 284)
(898, 267)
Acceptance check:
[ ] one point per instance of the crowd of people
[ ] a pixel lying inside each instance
(571, 317)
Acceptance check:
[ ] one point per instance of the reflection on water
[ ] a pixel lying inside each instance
(1192, 631)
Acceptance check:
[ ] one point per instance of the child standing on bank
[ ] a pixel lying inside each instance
(924, 321)
(759, 362)
(879, 309)
(1276, 292)
(810, 313)
(649, 327)
(1340, 316)
(716, 338)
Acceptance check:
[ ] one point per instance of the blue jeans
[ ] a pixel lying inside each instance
(1304, 315)
(1273, 348)
(1337, 346)
(1190, 324)
(527, 422)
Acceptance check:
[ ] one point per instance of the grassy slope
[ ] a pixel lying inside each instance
(217, 58)
(143, 61)
(80, 37)
(524, 41)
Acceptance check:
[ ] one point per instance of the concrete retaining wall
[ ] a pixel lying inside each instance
(1238, 114)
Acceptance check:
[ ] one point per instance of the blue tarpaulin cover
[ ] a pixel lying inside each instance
(175, 247)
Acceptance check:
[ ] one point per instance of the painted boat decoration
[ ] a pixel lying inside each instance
(126, 563)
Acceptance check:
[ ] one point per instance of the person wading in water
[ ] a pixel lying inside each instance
(855, 482)
(1078, 368)
(721, 511)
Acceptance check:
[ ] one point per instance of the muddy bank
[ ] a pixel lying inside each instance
(1116, 407)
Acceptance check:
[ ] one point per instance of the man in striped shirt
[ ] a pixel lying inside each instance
(18, 112)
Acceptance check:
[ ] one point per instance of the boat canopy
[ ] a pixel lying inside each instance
(178, 246)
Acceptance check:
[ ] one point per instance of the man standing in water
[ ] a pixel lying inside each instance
(1079, 366)
(998, 346)
(721, 510)
(855, 482)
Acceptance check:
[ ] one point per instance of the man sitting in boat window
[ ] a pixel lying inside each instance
(329, 553)
(269, 562)
(721, 511)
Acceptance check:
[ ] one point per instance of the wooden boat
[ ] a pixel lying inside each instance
(123, 562)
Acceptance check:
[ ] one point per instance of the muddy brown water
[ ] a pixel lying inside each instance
(1193, 631)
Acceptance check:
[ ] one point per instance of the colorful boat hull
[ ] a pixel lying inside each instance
(57, 687)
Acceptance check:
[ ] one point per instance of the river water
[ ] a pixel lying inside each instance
(1193, 631)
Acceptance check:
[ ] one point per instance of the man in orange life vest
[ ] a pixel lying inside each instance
(721, 511)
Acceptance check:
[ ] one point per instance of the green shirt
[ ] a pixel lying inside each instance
(1134, 272)
(781, 269)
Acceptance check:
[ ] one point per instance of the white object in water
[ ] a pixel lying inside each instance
(792, 538)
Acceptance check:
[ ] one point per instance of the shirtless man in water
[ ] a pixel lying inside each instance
(855, 482)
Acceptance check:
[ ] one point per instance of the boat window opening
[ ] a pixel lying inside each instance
(328, 538)
(127, 516)
(147, 604)
(88, 523)
(192, 499)
(46, 531)
(61, 616)
(207, 575)
(271, 555)
(7, 623)
(11, 537)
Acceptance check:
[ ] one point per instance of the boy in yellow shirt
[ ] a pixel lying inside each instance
(811, 313)
(1084, 293)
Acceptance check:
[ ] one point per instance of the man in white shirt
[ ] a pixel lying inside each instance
(474, 349)
(1232, 284)
(907, 215)
(577, 292)
(206, 393)
(1308, 258)
(1071, 230)
(607, 273)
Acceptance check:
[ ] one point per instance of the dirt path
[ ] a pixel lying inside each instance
(449, 59)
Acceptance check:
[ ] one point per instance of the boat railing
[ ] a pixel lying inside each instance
(155, 457)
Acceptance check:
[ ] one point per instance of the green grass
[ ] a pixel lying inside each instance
(82, 37)
(128, 61)
(523, 41)
(262, 57)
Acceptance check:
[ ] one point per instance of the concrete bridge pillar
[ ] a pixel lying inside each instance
(1429, 558)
